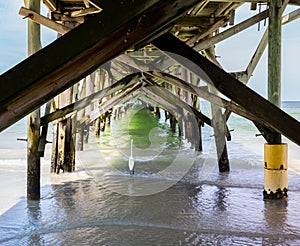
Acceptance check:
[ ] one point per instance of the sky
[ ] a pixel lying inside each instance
(235, 53)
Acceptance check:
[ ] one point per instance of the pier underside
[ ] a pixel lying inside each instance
(169, 34)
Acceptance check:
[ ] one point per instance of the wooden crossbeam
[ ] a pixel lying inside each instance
(231, 87)
(164, 104)
(263, 43)
(120, 85)
(44, 21)
(260, 50)
(51, 4)
(79, 52)
(210, 30)
(116, 99)
(83, 12)
(166, 95)
(231, 31)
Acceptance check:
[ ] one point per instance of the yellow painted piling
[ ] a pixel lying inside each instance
(275, 171)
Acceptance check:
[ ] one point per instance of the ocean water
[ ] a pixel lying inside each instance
(176, 196)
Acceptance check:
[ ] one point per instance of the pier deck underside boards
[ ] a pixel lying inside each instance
(33, 82)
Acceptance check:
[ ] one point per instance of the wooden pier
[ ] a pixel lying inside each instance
(91, 68)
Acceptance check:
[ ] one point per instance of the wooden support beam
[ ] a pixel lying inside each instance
(205, 44)
(222, 8)
(198, 8)
(153, 99)
(44, 133)
(32, 82)
(99, 80)
(33, 120)
(82, 103)
(210, 30)
(263, 44)
(93, 4)
(218, 122)
(37, 18)
(231, 87)
(65, 133)
(140, 66)
(190, 116)
(260, 50)
(169, 97)
(80, 115)
(62, 18)
(203, 93)
(274, 57)
(51, 4)
(116, 99)
(83, 12)
(216, 110)
(86, 3)
(197, 20)
(65, 143)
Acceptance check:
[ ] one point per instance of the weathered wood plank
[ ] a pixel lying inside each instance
(33, 82)
(37, 18)
(232, 88)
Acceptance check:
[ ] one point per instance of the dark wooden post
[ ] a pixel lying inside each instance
(65, 135)
(73, 129)
(274, 57)
(80, 117)
(98, 84)
(54, 155)
(157, 112)
(33, 133)
(43, 138)
(219, 125)
(63, 144)
(196, 105)
(172, 123)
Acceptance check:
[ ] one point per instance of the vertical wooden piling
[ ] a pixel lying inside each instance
(80, 117)
(64, 132)
(196, 105)
(54, 155)
(275, 153)
(157, 112)
(65, 161)
(219, 124)
(73, 129)
(274, 56)
(99, 80)
(44, 132)
(33, 133)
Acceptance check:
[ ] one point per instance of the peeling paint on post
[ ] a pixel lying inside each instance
(275, 153)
